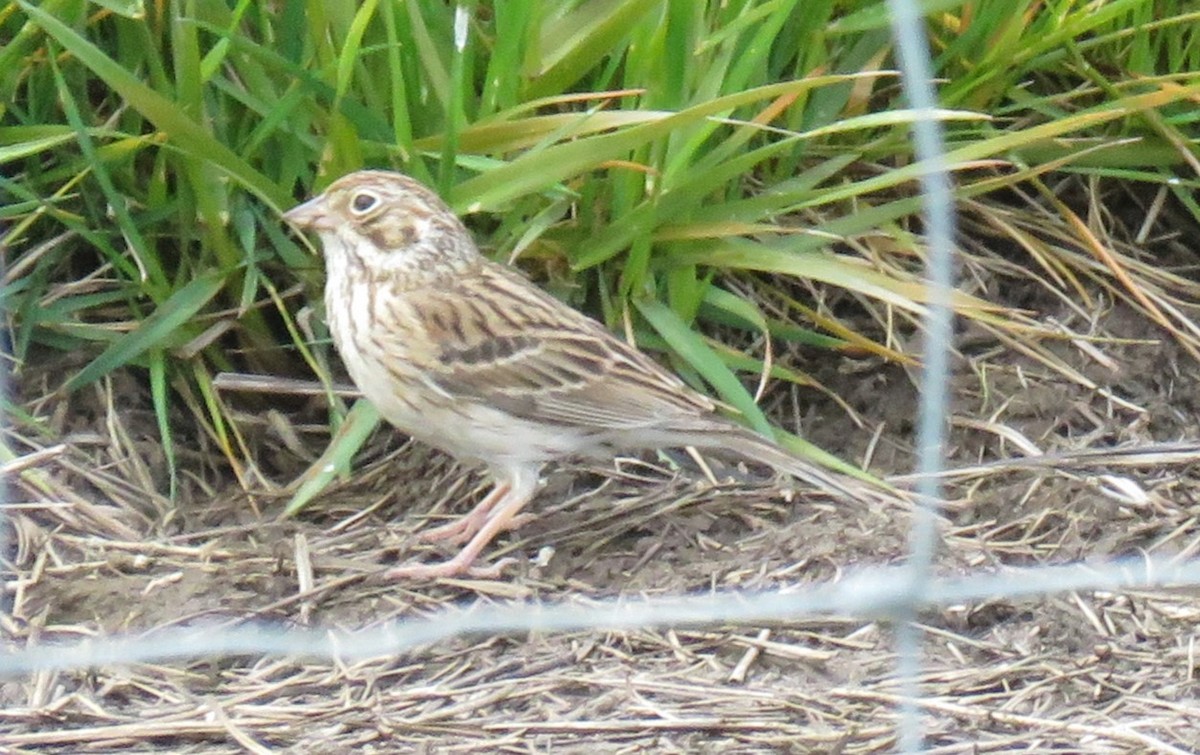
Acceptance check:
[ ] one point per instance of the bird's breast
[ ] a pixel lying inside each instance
(369, 325)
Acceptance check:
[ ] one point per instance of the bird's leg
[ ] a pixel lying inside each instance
(464, 527)
(500, 516)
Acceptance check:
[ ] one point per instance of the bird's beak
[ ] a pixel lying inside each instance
(311, 216)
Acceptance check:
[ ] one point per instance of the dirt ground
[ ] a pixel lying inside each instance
(95, 553)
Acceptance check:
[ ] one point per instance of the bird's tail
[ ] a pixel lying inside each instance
(747, 444)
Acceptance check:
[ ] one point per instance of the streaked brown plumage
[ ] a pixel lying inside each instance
(468, 356)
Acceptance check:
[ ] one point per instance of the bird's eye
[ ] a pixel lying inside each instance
(363, 202)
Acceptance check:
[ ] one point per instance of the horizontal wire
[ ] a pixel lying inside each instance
(881, 593)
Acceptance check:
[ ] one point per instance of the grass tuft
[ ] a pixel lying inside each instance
(659, 164)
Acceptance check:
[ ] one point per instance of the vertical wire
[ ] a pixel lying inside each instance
(916, 67)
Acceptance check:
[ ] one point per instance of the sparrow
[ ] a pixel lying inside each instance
(469, 356)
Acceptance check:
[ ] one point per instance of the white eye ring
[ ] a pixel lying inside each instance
(363, 202)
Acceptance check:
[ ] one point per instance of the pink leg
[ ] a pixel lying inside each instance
(501, 515)
(464, 527)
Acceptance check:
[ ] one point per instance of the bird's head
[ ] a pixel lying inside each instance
(383, 224)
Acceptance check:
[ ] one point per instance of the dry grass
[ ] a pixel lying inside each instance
(1062, 450)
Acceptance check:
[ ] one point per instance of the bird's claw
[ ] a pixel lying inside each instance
(451, 568)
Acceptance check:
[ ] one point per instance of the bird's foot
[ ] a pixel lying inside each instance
(464, 528)
(455, 567)
(458, 531)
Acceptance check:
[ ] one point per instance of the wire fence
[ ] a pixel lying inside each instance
(874, 593)
(893, 594)
(917, 72)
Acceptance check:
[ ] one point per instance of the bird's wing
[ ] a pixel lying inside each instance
(499, 340)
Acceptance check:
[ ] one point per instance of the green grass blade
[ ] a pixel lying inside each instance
(689, 345)
(183, 132)
(160, 395)
(153, 332)
(360, 422)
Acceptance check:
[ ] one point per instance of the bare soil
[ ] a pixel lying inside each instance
(96, 551)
